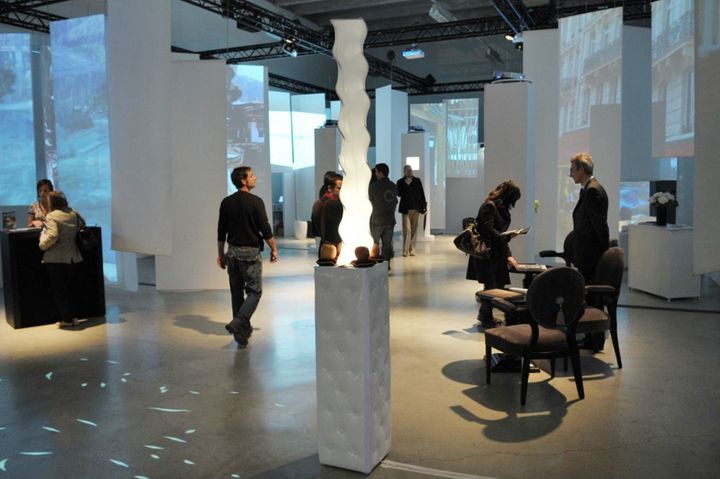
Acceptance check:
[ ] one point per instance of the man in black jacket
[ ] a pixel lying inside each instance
(591, 234)
(412, 205)
(243, 224)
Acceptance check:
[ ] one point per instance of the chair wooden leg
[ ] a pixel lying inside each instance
(616, 346)
(565, 363)
(575, 358)
(488, 361)
(552, 367)
(524, 379)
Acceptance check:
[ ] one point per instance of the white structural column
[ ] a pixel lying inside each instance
(352, 72)
(139, 102)
(510, 153)
(353, 366)
(391, 121)
(541, 65)
(198, 161)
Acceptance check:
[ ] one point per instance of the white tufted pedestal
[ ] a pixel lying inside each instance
(352, 335)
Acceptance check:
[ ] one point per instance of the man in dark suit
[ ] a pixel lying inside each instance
(591, 234)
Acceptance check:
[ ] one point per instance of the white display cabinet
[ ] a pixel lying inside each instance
(662, 261)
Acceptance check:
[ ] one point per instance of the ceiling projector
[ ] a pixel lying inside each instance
(413, 53)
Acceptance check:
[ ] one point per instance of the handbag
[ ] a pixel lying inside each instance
(470, 242)
(84, 237)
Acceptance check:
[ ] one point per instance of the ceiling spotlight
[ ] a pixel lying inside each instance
(289, 49)
(413, 53)
(509, 36)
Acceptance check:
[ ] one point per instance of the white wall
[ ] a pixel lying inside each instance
(327, 153)
(707, 139)
(139, 79)
(197, 177)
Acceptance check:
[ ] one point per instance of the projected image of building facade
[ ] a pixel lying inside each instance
(673, 78)
(590, 76)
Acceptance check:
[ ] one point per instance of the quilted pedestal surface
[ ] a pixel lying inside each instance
(352, 336)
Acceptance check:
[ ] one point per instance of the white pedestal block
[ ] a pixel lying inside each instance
(352, 336)
(301, 228)
(662, 262)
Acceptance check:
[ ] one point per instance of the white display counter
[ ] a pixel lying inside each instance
(662, 261)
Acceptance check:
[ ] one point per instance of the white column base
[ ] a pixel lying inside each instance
(352, 336)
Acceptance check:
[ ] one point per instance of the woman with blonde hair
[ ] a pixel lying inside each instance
(61, 257)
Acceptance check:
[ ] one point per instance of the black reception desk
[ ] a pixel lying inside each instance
(26, 287)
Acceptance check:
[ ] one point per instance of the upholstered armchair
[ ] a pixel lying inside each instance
(555, 303)
(602, 298)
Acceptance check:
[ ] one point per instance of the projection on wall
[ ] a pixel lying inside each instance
(245, 117)
(590, 76)
(462, 138)
(432, 117)
(17, 144)
(308, 113)
(281, 150)
(80, 106)
(673, 78)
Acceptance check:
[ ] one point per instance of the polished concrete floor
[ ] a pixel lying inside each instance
(159, 389)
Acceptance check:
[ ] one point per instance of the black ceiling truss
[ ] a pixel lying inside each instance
(296, 86)
(542, 17)
(305, 40)
(20, 13)
(506, 13)
(435, 32)
(262, 51)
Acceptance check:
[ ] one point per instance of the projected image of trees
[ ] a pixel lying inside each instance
(17, 147)
(79, 84)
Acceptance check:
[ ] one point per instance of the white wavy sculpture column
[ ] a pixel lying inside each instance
(352, 71)
(352, 314)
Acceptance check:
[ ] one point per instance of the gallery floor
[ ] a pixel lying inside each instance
(158, 389)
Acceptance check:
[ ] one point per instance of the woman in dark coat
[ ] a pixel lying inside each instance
(492, 220)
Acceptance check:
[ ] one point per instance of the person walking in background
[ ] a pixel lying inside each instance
(412, 205)
(61, 255)
(492, 220)
(243, 225)
(383, 197)
(591, 234)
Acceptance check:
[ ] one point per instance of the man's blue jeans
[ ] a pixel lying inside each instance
(244, 267)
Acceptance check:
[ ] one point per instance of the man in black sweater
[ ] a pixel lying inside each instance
(243, 225)
(412, 205)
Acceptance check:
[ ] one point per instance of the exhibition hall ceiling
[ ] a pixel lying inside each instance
(197, 27)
